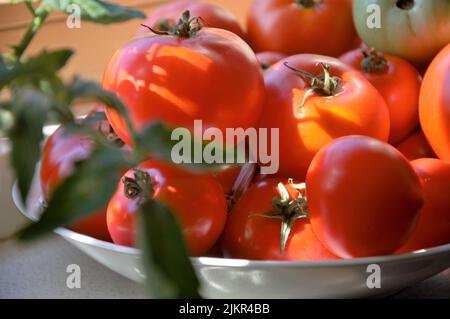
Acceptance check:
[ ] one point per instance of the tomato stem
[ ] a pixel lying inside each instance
(405, 4)
(308, 3)
(138, 186)
(374, 61)
(164, 25)
(324, 85)
(288, 210)
(186, 27)
(242, 183)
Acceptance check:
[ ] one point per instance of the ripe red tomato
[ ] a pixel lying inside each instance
(211, 15)
(197, 200)
(416, 146)
(61, 152)
(302, 26)
(210, 75)
(267, 59)
(433, 228)
(309, 119)
(364, 197)
(397, 81)
(434, 105)
(249, 235)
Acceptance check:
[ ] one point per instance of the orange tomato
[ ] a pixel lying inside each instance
(434, 105)
(302, 26)
(399, 84)
(211, 76)
(211, 15)
(416, 146)
(249, 235)
(308, 120)
(433, 228)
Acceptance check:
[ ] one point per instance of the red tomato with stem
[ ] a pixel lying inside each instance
(213, 16)
(302, 26)
(434, 105)
(433, 228)
(364, 197)
(197, 200)
(313, 100)
(267, 59)
(397, 81)
(416, 146)
(178, 77)
(254, 227)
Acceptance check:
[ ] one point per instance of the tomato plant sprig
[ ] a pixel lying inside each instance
(38, 95)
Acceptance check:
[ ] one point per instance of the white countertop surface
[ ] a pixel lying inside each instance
(38, 269)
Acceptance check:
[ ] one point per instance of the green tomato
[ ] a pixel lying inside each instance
(412, 29)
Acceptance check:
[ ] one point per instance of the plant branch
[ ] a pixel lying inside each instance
(36, 23)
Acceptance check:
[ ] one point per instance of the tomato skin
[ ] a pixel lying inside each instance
(433, 228)
(153, 75)
(249, 236)
(399, 85)
(357, 109)
(227, 177)
(434, 105)
(212, 16)
(60, 153)
(416, 146)
(268, 58)
(416, 34)
(363, 196)
(197, 200)
(283, 26)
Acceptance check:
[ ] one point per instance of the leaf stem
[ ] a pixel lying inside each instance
(35, 25)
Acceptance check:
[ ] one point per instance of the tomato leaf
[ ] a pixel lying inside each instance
(85, 89)
(92, 10)
(169, 272)
(29, 110)
(84, 192)
(80, 88)
(35, 69)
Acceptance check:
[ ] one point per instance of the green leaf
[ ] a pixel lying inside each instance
(169, 272)
(30, 109)
(87, 190)
(92, 10)
(85, 89)
(156, 140)
(35, 69)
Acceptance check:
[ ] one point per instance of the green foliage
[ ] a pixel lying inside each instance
(36, 92)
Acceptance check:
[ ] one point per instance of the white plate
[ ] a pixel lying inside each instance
(237, 278)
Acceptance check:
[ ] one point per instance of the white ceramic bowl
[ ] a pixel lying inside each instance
(237, 278)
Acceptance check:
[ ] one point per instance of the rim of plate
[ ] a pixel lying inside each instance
(231, 262)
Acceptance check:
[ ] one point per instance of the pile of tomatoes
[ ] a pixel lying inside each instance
(364, 139)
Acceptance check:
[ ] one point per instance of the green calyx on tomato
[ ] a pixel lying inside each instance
(164, 25)
(308, 3)
(323, 85)
(288, 209)
(374, 61)
(186, 27)
(138, 186)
